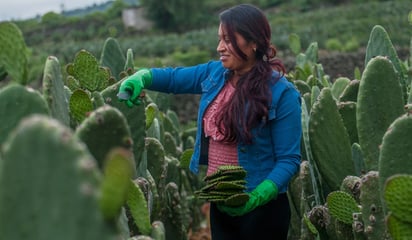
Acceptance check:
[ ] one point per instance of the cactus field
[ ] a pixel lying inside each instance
(76, 163)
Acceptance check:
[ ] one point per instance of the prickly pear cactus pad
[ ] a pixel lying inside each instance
(16, 103)
(13, 52)
(49, 185)
(86, 70)
(53, 90)
(80, 105)
(113, 57)
(118, 170)
(348, 112)
(139, 208)
(396, 155)
(350, 93)
(398, 195)
(105, 129)
(379, 103)
(373, 216)
(380, 44)
(341, 206)
(329, 141)
(397, 228)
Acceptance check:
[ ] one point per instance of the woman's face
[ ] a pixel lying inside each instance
(228, 54)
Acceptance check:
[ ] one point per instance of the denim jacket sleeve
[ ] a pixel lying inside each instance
(286, 132)
(182, 80)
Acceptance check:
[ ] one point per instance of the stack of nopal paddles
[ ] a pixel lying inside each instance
(225, 186)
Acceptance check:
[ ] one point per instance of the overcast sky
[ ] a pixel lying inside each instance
(24, 9)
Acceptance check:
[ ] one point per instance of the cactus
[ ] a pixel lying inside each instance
(302, 86)
(135, 118)
(339, 86)
(129, 64)
(342, 205)
(380, 44)
(351, 185)
(112, 57)
(328, 136)
(395, 157)
(170, 145)
(173, 215)
(156, 162)
(14, 54)
(105, 129)
(53, 91)
(97, 99)
(398, 229)
(139, 209)
(155, 130)
(151, 111)
(397, 194)
(16, 103)
(379, 104)
(87, 72)
(315, 180)
(185, 158)
(80, 105)
(158, 232)
(348, 112)
(314, 96)
(118, 170)
(49, 185)
(358, 159)
(373, 217)
(350, 93)
(320, 217)
(154, 204)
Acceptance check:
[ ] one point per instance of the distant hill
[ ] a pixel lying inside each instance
(80, 12)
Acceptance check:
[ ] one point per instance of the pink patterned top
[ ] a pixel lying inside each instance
(220, 153)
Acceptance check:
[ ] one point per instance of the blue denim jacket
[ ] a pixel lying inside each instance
(275, 151)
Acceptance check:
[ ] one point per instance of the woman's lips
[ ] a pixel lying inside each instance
(224, 58)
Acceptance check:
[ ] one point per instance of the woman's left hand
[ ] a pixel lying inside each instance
(263, 193)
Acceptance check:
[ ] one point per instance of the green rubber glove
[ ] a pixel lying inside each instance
(263, 193)
(132, 86)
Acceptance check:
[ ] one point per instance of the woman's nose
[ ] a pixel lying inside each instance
(220, 46)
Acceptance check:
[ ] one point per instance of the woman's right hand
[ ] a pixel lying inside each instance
(131, 88)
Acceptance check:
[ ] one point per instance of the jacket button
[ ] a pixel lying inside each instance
(243, 149)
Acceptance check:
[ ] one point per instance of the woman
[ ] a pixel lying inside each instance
(249, 115)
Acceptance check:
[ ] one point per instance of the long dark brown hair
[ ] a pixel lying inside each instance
(249, 105)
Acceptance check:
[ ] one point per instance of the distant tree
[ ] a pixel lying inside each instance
(177, 15)
(115, 11)
(52, 19)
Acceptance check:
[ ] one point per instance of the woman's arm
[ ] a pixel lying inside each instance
(286, 136)
(182, 79)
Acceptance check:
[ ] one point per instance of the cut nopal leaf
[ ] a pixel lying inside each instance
(226, 186)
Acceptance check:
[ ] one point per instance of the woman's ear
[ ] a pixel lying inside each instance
(254, 46)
